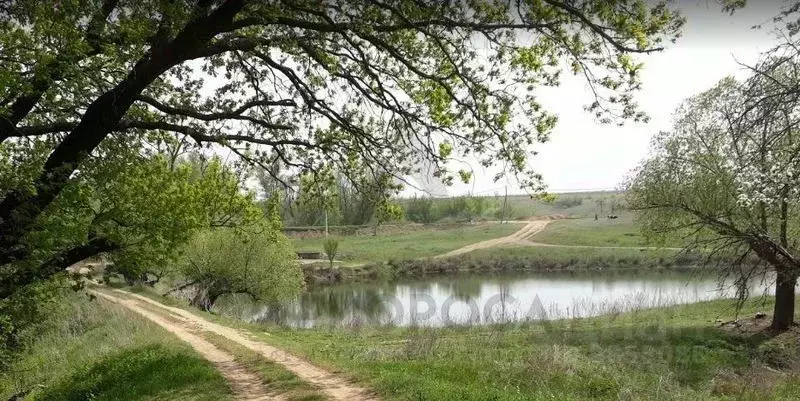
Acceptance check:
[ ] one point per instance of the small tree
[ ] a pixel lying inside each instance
(419, 209)
(600, 203)
(476, 205)
(330, 245)
(258, 261)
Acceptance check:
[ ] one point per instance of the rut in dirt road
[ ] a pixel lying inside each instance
(334, 386)
(246, 386)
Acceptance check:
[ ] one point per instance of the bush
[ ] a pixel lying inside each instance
(330, 245)
(24, 314)
(568, 202)
(420, 210)
(262, 264)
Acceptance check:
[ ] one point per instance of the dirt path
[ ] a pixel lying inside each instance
(334, 386)
(246, 386)
(520, 238)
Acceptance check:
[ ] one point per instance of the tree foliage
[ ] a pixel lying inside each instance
(123, 203)
(331, 247)
(727, 175)
(258, 261)
(369, 84)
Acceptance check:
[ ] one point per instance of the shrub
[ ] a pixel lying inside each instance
(331, 245)
(262, 264)
(568, 202)
(420, 210)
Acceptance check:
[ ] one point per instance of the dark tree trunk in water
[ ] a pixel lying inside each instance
(783, 316)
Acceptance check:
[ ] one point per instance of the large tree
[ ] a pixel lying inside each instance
(728, 176)
(377, 84)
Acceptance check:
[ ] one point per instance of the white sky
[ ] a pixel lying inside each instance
(585, 155)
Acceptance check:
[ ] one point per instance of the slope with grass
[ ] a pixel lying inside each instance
(99, 351)
(415, 244)
(683, 352)
(674, 353)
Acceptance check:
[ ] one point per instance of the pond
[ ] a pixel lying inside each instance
(487, 298)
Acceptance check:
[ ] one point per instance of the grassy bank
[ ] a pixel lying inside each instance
(99, 351)
(674, 353)
(514, 258)
(588, 231)
(410, 245)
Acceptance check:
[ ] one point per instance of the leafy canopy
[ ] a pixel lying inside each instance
(727, 176)
(343, 85)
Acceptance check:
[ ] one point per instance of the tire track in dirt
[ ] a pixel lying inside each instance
(246, 386)
(334, 386)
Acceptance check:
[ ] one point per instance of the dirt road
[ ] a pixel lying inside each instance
(519, 238)
(183, 322)
(246, 386)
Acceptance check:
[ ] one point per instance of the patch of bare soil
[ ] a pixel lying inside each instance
(333, 385)
(246, 386)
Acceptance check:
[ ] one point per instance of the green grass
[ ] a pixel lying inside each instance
(673, 353)
(99, 351)
(416, 244)
(274, 376)
(584, 257)
(602, 232)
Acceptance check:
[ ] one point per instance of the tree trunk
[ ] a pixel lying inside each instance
(204, 299)
(783, 316)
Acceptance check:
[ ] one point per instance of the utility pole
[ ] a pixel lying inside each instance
(505, 202)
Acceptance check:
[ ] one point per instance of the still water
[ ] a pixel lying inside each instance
(486, 299)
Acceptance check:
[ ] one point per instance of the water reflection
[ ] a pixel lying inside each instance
(481, 299)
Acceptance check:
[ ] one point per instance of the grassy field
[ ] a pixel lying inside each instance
(673, 353)
(94, 350)
(415, 244)
(588, 231)
(576, 204)
(621, 232)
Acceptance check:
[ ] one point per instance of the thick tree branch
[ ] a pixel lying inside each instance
(56, 264)
(233, 114)
(20, 208)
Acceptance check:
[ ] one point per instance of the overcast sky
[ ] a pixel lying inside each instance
(585, 155)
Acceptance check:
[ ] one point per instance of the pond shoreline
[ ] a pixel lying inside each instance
(497, 261)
